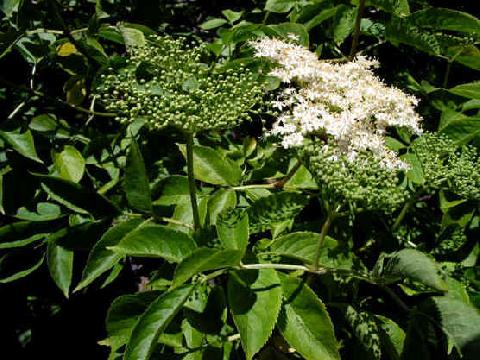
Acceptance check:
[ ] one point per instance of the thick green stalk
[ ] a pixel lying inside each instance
(191, 181)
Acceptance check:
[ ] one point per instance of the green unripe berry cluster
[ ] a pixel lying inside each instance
(167, 83)
(361, 183)
(448, 166)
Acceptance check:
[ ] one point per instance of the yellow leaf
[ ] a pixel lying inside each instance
(66, 49)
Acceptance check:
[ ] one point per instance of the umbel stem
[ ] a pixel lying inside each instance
(356, 29)
(191, 181)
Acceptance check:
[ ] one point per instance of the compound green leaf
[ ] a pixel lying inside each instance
(137, 187)
(279, 6)
(153, 322)
(213, 23)
(304, 322)
(221, 200)
(100, 258)
(70, 164)
(22, 143)
(77, 198)
(205, 259)
(232, 230)
(131, 36)
(469, 90)
(461, 323)
(343, 23)
(412, 264)
(20, 273)
(275, 208)
(213, 168)
(463, 130)
(446, 19)
(60, 266)
(396, 7)
(174, 189)
(255, 298)
(156, 241)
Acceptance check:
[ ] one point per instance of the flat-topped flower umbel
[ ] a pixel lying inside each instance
(345, 102)
(167, 82)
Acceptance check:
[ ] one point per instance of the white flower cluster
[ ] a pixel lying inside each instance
(344, 102)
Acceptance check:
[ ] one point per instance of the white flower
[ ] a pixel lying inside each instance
(346, 101)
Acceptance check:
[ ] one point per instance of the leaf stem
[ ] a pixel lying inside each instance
(279, 184)
(54, 99)
(255, 186)
(323, 233)
(281, 267)
(395, 298)
(403, 213)
(356, 29)
(191, 181)
(447, 74)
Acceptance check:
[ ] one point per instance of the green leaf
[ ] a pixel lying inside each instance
(213, 23)
(153, 322)
(77, 198)
(392, 336)
(298, 245)
(156, 241)
(174, 189)
(23, 242)
(45, 212)
(402, 31)
(412, 264)
(279, 6)
(10, 6)
(70, 164)
(21, 143)
(100, 258)
(302, 179)
(205, 259)
(232, 230)
(303, 244)
(221, 200)
(469, 90)
(137, 187)
(43, 123)
(415, 171)
(124, 313)
(343, 22)
(213, 168)
(132, 37)
(19, 274)
(446, 19)
(232, 16)
(396, 7)
(321, 17)
(255, 298)
(463, 130)
(461, 323)
(273, 209)
(183, 212)
(60, 266)
(304, 322)
(286, 30)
